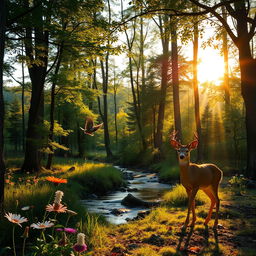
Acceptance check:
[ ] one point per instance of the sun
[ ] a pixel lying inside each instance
(210, 67)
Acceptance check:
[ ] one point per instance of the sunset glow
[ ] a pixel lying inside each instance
(210, 67)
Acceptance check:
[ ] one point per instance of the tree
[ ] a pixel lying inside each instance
(2, 44)
(135, 108)
(15, 121)
(195, 86)
(239, 11)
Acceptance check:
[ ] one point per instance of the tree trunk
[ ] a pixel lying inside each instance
(35, 51)
(2, 44)
(104, 70)
(248, 85)
(23, 100)
(196, 93)
(165, 37)
(52, 107)
(115, 108)
(226, 73)
(164, 83)
(175, 83)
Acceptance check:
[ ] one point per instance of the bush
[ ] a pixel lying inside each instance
(96, 178)
(178, 197)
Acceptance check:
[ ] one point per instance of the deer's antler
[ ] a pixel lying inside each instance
(173, 140)
(194, 143)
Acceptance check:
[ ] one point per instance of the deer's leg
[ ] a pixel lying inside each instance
(191, 199)
(216, 197)
(193, 213)
(210, 195)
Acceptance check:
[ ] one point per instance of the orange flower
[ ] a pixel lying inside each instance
(56, 180)
(59, 208)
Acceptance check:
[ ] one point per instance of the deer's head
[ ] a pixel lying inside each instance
(183, 150)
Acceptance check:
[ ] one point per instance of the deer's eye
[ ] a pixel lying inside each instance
(178, 150)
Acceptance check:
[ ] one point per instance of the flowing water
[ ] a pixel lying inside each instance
(147, 188)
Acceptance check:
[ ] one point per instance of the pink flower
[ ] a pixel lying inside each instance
(70, 230)
(80, 246)
(67, 230)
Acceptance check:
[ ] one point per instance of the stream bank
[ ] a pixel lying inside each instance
(142, 185)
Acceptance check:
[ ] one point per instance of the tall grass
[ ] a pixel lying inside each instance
(85, 178)
(178, 197)
(96, 178)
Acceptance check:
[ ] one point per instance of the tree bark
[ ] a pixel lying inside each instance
(248, 85)
(105, 73)
(115, 108)
(2, 44)
(175, 82)
(52, 107)
(23, 100)
(39, 52)
(165, 37)
(196, 93)
(225, 56)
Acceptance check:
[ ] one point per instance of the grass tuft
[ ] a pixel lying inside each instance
(178, 197)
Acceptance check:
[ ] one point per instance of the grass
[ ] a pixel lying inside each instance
(167, 173)
(178, 197)
(236, 237)
(86, 178)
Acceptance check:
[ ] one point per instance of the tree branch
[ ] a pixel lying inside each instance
(218, 16)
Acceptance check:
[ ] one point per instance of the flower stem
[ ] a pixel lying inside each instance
(23, 247)
(13, 240)
(67, 220)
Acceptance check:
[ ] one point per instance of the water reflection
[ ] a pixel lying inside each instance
(148, 187)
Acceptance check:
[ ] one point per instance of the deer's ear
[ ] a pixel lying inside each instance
(175, 144)
(193, 145)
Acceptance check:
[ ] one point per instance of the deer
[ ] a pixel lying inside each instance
(193, 177)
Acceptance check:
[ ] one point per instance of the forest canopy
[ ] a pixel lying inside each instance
(142, 68)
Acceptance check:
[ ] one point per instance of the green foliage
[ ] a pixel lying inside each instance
(178, 197)
(96, 178)
(167, 172)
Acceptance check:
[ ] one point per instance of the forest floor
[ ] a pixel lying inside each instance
(159, 233)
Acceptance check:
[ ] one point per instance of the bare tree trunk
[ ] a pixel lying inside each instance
(52, 107)
(164, 82)
(196, 93)
(37, 50)
(115, 108)
(165, 37)
(23, 100)
(175, 82)
(225, 55)
(2, 44)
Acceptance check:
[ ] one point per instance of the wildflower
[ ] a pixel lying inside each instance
(60, 208)
(80, 246)
(58, 197)
(42, 225)
(25, 234)
(70, 230)
(25, 208)
(55, 180)
(63, 240)
(67, 230)
(71, 212)
(15, 218)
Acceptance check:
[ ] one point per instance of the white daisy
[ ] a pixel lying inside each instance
(15, 218)
(42, 225)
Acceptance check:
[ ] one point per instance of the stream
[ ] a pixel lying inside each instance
(144, 186)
